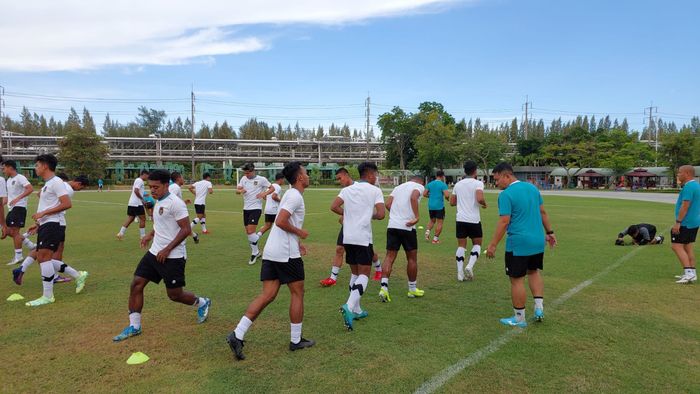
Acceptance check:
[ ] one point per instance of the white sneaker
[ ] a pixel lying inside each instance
(460, 276)
(687, 279)
(469, 273)
(253, 258)
(120, 236)
(16, 260)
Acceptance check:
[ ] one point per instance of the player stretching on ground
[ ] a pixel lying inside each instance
(166, 258)
(468, 195)
(404, 213)
(200, 190)
(358, 204)
(343, 177)
(175, 188)
(282, 264)
(18, 191)
(135, 208)
(522, 215)
(437, 192)
(253, 188)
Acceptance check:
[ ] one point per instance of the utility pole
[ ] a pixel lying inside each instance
(527, 119)
(367, 104)
(2, 105)
(192, 125)
(652, 110)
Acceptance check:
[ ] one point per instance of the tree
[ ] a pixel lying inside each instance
(436, 143)
(677, 150)
(88, 122)
(204, 131)
(150, 120)
(486, 148)
(83, 153)
(398, 137)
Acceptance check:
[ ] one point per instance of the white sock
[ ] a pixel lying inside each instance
(28, 244)
(539, 303)
(259, 234)
(353, 278)
(122, 230)
(519, 314)
(295, 332)
(356, 293)
(203, 222)
(689, 271)
(142, 232)
(195, 221)
(253, 241)
(18, 252)
(135, 320)
(199, 302)
(242, 327)
(334, 272)
(473, 256)
(436, 238)
(411, 286)
(378, 265)
(58, 265)
(692, 271)
(26, 263)
(385, 283)
(460, 259)
(47, 275)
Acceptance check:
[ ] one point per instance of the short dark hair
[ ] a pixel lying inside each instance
(145, 172)
(291, 171)
(342, 170)
(63, 176)
(162, 176)
(279, 176)
(503, 167)
(440, 173)
(248, 167)
(48, 159)
(417, 178)
(469, 167)
(174, 175)
(10, 163)
(633, 230)
(82, 179)
(363, 168)
(206, 175)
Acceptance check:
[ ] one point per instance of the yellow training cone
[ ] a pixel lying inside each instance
(137, 358)
(15, 297)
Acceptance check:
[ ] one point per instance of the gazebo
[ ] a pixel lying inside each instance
(641, 178)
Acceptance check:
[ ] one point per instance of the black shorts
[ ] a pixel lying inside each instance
(437, 213)
(62, 233)
(270, 217)
(396, 239)
(172, 272)
(251, 216)
(199, 209)
(50, 236)
(469, 230)
(685, 236)
(517, 266)
(291, 271)
(135, 211)
(358, 254)
(16, 217)
(339, 241)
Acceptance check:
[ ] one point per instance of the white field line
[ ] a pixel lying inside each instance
(448, 373)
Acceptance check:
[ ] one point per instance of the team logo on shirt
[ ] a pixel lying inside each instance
(13, 182)
(160, 211)
(255, 183)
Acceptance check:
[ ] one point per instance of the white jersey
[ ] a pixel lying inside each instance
(359, 200)
(253, 187)
(51, 192)
(201, 189)
(134, 201)
(176, 190)
(281, 245)
(70, 192)
(272, 206)
(467, 206)
(15, 188)
(166, 213)
(401, 210)
(3, 187)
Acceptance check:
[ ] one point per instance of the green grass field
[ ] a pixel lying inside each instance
(631, 330)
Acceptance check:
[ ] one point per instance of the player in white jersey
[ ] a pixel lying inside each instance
(200, 190)
(468, 196)
(272, 202)
(404, 213)
(18, 191)
(3, 201)
(254, 189)
(53, 201)
(175, 188)
(135, 208)
(359, 204)
(282, 264)
(165, 260)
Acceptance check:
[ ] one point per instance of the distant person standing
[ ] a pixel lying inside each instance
(437, 192)
(523, 217)
(685, 230)
(100, 184)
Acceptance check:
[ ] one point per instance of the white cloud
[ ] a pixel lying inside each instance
(62, 35)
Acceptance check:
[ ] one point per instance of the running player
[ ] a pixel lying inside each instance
(282, 264)
(468, 195)
(3, 201)
(359, 204)
(437, 192)
(343, 177)
(53, 200)
(404, 212)
(135, 208)
(254, 189)
(522, 215)
(272, 202)
(100, 184)
(165, 260)
(200, 190)
(18, 191)
(175, 188)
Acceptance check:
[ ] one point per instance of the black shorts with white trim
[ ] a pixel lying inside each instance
(50, 236)
(517, 266)
(469, 230)
(685, 235)
(285, 272)
(251, 216)
(172, 272)
(199, 209)
(396, 239)
(358, 254)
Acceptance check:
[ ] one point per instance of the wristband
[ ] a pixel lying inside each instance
(551, 232)
(679, 221)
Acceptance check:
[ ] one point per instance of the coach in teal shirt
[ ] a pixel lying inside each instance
(685, 231)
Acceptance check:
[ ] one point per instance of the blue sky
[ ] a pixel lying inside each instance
(478, 58)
